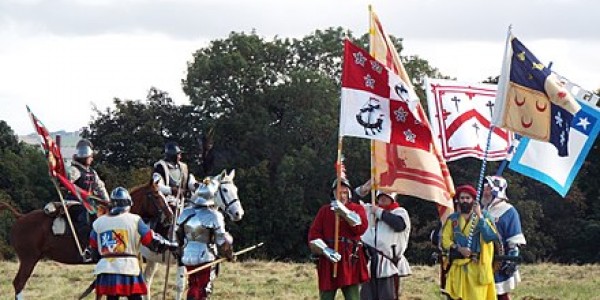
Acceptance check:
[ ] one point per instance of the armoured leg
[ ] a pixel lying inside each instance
(180, 282)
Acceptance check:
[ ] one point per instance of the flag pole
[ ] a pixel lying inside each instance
(374, 185)
(336, 242)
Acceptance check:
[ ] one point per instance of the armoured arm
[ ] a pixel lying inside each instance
(318, 246)
(73, 173)
(223, 239)
(160, 244)
(351, 217)
(192, 183)
(100, 189)
(162, 187)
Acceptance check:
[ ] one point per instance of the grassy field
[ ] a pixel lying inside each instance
(275, 280)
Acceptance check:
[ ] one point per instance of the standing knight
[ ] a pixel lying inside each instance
(202, 237)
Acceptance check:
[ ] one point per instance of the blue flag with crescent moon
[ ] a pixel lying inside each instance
(532, 101)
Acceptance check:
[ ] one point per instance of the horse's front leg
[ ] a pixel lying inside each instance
(180, 282)
(149, 275)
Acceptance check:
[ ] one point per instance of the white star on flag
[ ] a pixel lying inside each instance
(583, 122)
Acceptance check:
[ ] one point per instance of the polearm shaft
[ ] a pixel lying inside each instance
(222, 259)
(171, 236)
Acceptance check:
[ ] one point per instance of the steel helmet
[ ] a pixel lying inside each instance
(343, 182)
(83, 149)
(120, 200)
(391, 195)
(204, 195)
(172, 149)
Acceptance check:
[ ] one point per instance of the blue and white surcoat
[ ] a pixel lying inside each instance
(508, 224)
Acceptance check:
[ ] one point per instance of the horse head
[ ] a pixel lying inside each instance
(149, 202)
(226, 197)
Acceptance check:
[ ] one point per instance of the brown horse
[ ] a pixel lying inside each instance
(32, 238)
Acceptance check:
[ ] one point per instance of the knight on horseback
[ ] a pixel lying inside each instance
(116, 239)
(176, 181)
(82, 174)
(202, 237)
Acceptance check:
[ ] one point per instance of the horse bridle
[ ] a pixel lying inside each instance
(227, 205)
(151, 195)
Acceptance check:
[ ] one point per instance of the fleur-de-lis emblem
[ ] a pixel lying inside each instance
(369, 81)
(359, 58)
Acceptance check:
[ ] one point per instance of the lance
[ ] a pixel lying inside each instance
(222, 259)
(180, 199)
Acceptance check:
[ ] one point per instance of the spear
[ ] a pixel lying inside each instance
(222, 259)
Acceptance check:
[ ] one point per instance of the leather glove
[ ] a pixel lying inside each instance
(226, 250)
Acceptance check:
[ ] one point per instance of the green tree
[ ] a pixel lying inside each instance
(24, 181)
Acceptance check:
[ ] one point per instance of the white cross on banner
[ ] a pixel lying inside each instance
(460, 115)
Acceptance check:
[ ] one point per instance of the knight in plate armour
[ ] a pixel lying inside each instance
(176, 182)
(202, 236)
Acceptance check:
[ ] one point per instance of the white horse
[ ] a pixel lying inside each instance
(226, 199)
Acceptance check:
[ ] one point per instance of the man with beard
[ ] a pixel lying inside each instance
(471, 250)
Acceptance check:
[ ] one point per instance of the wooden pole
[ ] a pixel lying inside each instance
(222, 259)
(336, 242)
(171, 234)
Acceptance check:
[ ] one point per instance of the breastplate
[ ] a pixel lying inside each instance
(199, 234)
(174, 176)
(199, 228)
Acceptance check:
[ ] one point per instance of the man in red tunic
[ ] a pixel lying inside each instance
(350, 258)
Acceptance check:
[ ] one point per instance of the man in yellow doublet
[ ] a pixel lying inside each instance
(471, 275)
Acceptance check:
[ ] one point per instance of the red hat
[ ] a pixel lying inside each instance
(467, 188)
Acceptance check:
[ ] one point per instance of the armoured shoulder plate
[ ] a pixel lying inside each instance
(185, 214)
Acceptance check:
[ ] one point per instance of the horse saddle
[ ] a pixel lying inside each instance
(56, 211)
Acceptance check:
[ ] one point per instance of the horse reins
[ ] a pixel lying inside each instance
(223, 196)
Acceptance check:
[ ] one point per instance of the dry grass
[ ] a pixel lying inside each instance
(275, 280)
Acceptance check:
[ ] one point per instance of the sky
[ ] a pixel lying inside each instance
(64, 58)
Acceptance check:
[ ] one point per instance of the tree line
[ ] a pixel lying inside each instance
(270, 109)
